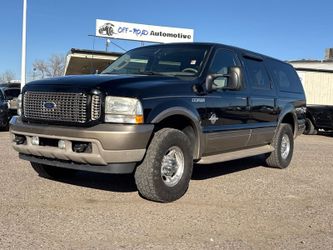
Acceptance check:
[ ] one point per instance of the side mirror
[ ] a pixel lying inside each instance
(234, 78)
(231, 80)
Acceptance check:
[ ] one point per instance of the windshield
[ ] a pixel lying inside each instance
(11, 93)
(180, 60)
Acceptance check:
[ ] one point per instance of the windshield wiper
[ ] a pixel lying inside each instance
(151, 73)
(110, 73)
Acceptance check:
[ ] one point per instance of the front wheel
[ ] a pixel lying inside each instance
(283, 144)
(165, 173)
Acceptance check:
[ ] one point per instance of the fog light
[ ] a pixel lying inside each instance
(61, 144)
(35, 140)
(81, 147)
(19, 139)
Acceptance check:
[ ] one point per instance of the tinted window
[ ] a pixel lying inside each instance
(257, 74)
(223, 59)
(1, 96)
(285, 76)
(12, 93)
(185, 60)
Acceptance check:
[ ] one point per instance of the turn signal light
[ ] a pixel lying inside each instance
(139, 119)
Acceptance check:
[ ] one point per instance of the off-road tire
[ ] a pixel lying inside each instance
(309, 127)
(275, 159)
(148, 174)
(51, 172)
(4, 127)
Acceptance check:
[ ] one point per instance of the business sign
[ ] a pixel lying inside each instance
(142, 32)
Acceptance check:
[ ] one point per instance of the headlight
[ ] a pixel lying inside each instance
(123, 110)
(19, 105)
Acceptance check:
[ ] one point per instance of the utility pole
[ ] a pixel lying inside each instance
(24, 44)
(107, 44)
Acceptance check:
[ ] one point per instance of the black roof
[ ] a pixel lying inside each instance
(245, 52)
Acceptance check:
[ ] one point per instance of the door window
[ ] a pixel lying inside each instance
(223, 59)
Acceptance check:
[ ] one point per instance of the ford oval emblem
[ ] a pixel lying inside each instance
(49, 105)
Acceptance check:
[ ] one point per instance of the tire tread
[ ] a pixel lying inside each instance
(274, 160)
(145, 177)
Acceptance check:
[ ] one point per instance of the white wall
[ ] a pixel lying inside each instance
(318, 87)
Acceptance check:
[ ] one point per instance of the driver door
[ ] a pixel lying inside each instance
(228, 112)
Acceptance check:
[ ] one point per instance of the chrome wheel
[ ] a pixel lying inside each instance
(172, 167)
(285, 146)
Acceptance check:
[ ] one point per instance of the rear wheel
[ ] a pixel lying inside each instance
(283, 144)
(51, 172)
(309, 127)
(165, 173)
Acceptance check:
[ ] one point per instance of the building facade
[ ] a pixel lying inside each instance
(317, 79)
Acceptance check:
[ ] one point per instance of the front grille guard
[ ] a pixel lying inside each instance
(61, 107)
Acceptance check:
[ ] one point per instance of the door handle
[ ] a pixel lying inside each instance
(276, 107)
(248, 103)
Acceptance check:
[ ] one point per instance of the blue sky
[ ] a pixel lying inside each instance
(285, 29)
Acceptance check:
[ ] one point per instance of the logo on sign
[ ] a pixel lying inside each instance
(106, 29)
(49, 105)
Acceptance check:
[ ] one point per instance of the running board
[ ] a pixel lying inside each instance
(236, 155)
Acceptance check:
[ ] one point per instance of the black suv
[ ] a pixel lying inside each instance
(8, 105)
(158, 109)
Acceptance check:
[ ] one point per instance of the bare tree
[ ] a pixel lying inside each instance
(40, 68)
(7, 76)
(54, 66)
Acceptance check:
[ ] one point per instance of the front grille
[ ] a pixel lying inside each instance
(55, 106)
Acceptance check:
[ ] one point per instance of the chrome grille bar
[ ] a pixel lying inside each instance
(95, 107)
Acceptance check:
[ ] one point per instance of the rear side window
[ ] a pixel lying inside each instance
(285, 76)
(257, 74)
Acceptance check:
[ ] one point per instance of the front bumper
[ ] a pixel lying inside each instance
(111, 144)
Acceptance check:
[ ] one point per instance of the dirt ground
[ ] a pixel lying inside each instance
(234, 205)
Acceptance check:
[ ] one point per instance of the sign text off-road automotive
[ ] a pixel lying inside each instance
(142, 32)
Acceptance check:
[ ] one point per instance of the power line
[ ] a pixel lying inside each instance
(111, 42)
(118, 46)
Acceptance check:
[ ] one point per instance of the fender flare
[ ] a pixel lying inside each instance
(190, 114)
(289, 109)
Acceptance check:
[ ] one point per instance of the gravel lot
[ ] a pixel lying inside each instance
(234, 205)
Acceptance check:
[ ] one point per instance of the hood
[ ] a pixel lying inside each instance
(139, 86)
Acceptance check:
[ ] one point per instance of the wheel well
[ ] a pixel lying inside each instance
(289, 119)
(183, 124)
